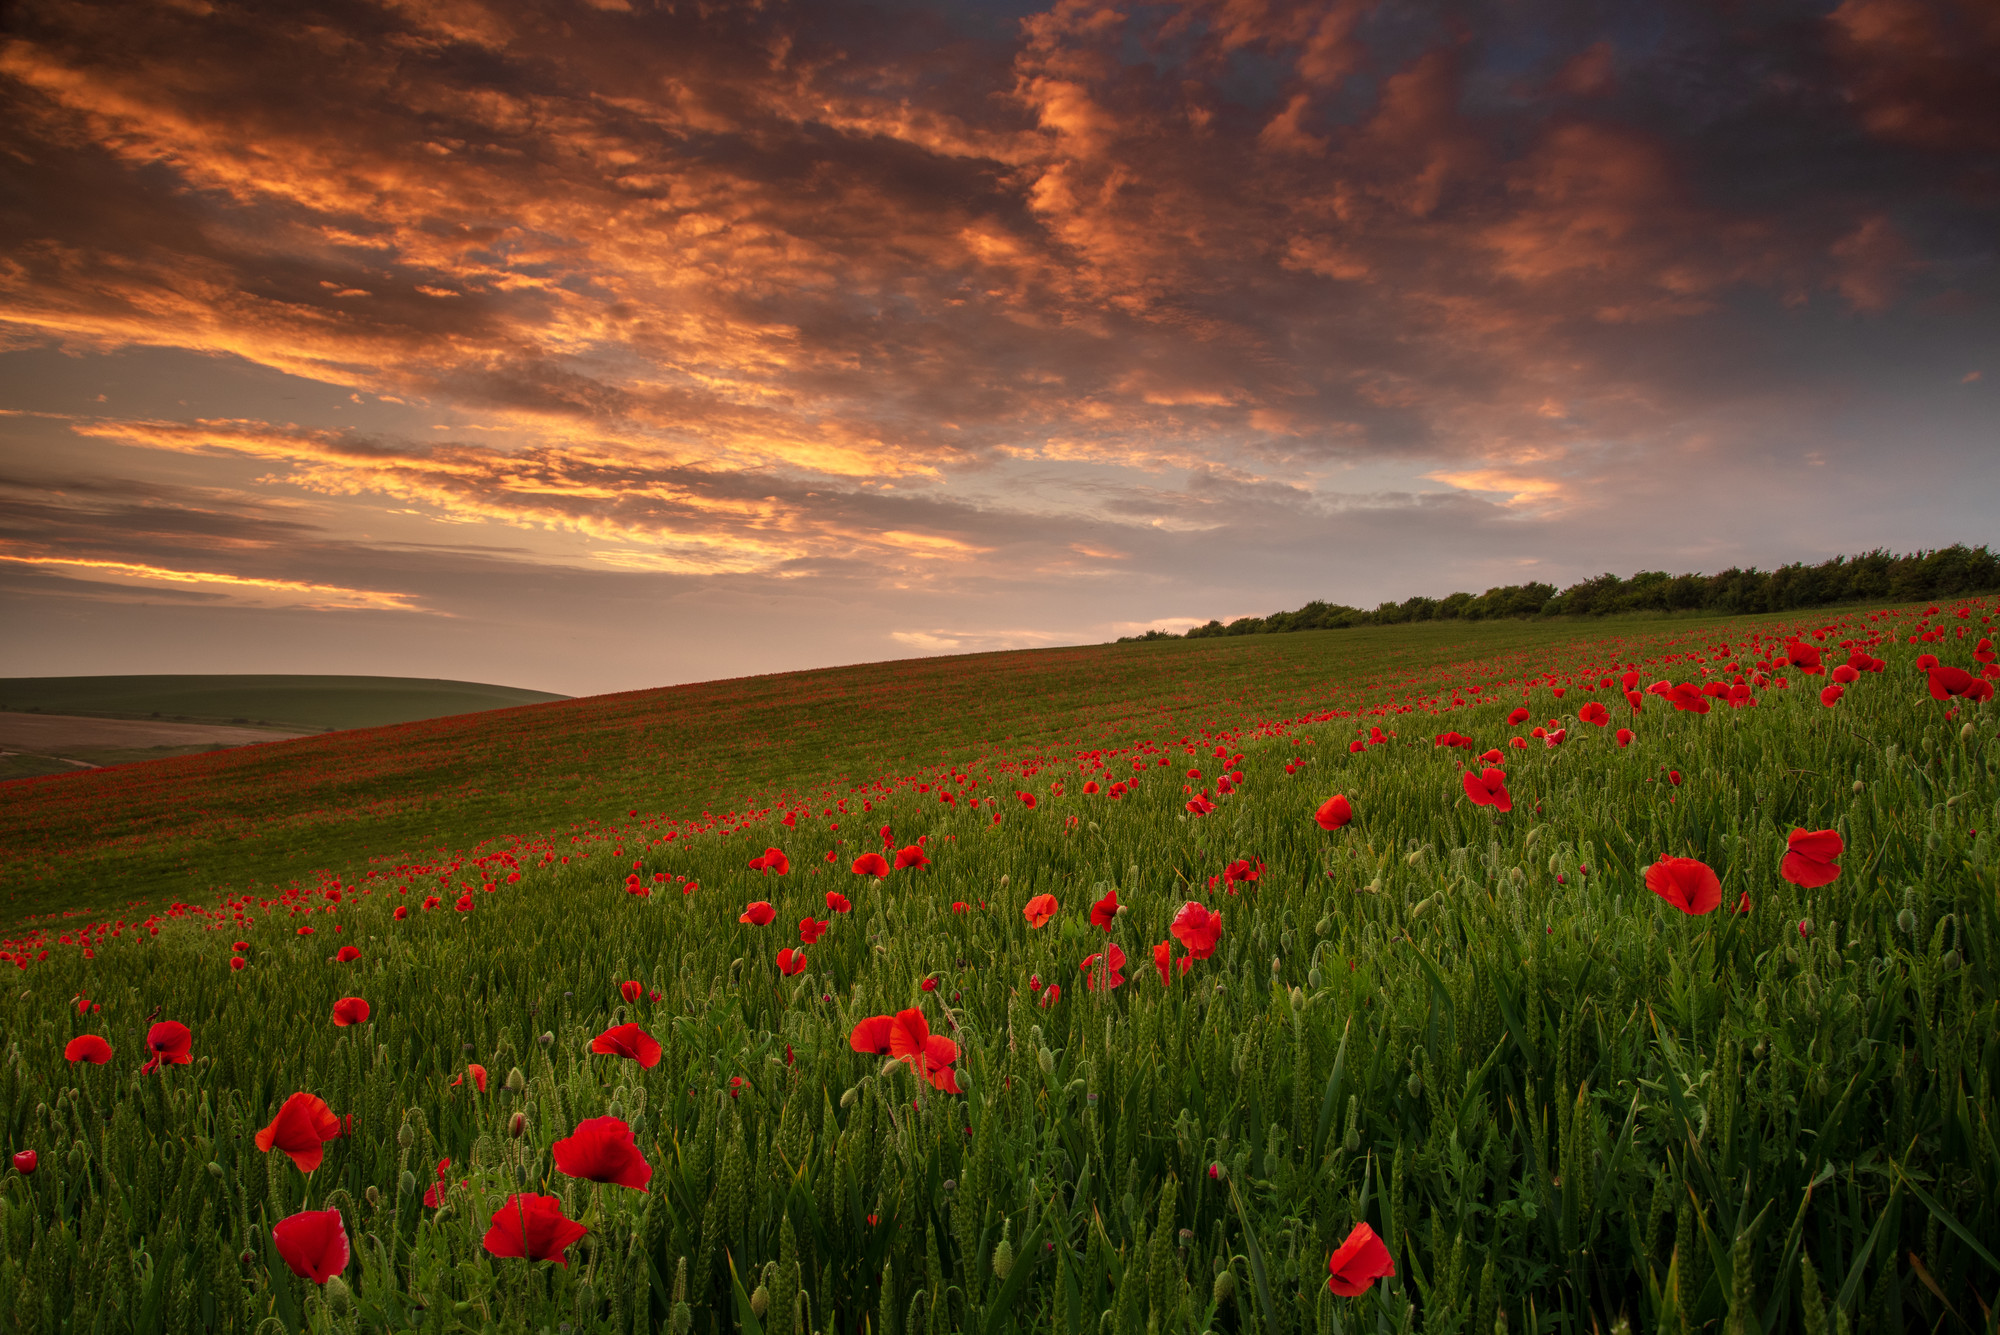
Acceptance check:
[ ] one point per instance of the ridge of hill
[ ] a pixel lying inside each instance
(303, 702)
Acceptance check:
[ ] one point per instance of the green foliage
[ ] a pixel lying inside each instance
(1562, 1103)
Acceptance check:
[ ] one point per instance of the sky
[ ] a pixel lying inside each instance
(592, 345)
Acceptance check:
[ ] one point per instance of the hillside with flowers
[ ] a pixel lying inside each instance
(1646, 980)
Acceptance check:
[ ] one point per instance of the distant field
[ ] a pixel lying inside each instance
(186, 828)
(301, 703)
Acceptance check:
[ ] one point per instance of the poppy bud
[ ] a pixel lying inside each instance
(1003, 880)
(407, 1183)
(1805, 925)
(214, 1169)
(405, 1136)
(1003, 1259)
(1907, 922)
(516, 1082)
(1123, 909)
(1416, 1083)
(1225, 1287)
(852, 1095)
(336, 1293)
(950, 1185)
(1216, 1172)
(517, 1125)
(372, 1196)
(77, 1157)
(1277, 966)
(246, 1259)
(760, 1301)
(547, 1039)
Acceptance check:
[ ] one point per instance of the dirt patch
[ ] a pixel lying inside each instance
(56, 733)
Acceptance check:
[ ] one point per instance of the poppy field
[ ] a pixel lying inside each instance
(1602, 985)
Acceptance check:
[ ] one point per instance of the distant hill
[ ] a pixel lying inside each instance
(305, 703)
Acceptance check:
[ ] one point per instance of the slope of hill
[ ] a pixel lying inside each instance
(298, 702)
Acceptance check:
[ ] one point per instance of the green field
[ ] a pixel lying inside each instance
(304, 703)
(187, 828)
(1564, 1102)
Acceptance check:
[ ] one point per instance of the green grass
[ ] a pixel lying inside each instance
(284, 701)
(188, 828)
(1557, 1098)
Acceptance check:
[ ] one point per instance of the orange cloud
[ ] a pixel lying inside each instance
(246, 590)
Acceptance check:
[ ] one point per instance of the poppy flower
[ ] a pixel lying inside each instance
(631, 990)
(169, 1041)
(434, 1194)
(1199, 805)
(1105, 911)
(1804, 657)
(1689, 885)
(1488, 788)
(1555, 737)
(1089, 787)
(1846, 674)
(25, 1161)
(1624, 736)
(1947, 681)
(532, 1227)
(464, 903)
(1105, 969)
(1493, 757)
(1451, 739)
(791, 961)
(906, 1036)
(838, 902)
(1518, 717)
(235, 962)
(1027, 800)
(1743, 902)
(1831, 695)
(1039, 910)
(431, 902)
(1674, 777)
(812, 929)
(347, 954)
(628, 1040)
(912, 856)
(478, 1074)
(869, 864)
(758, 914)
(1809, 858)
(928, 985)
(1242, 872)
(87, 1048)
(1333, 813)
(300, 1130)
(1357, 747)
(1197, 929)
(1359, 1262)
(1051, 994)
(773, 859)
(872, 1035)
(1163, 957)
(350, 1010)
(402, 912)
(1594, 713)
(960, 906)
(313, 1243)
(601, 1149)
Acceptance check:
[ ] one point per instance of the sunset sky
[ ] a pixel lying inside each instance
(590, 345)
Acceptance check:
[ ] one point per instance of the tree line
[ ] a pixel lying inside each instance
(1877, 576)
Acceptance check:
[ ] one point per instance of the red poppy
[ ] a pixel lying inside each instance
(1831, 695)
(1947, 681)
(347, 954)
(464, 903)
(434, 1194)
(872, 1035)
(1451, 739)
(1333, 813)
(88, 1048)
(791, 961)
(170, 1042)
(601, 1149)
(1090, 787)
(1804, 657)
(1051, 994)
(773, 860)
(1105, 968)
(837, 902)
(25, 1161)
(812, 929)
(758, 914)
(1163, 959)
(912, 856)
(1809, 858)
(1027, 800)
(906, 1036)
(1846, 673)
(313, 1243)
(1688, 697)
(1674, 777)
(235, 962)
(1242, 872)
(928, 985)
(1518, 717)
(870, 864)
(1488, 788)
(631, 990)
(960, 906)
(402, 912)
(1983, 651)
(1197, 929)
(1555, 738)
(628, 1040)
(1039, 910)
(1624, 736)
(478, 1074)
(1360, 1261)
(1105, 911)
(239, 947)
(532, 1227)
(431, 902)
(1689, 885)
(350, 1010)
(1594, 713)
(300, 1130)
(1199, 805)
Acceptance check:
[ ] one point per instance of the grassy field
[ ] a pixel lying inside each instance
(305, 703)
(1560, 1098)
(188, 828)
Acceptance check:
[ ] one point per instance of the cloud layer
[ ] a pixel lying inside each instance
(1096, 314)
